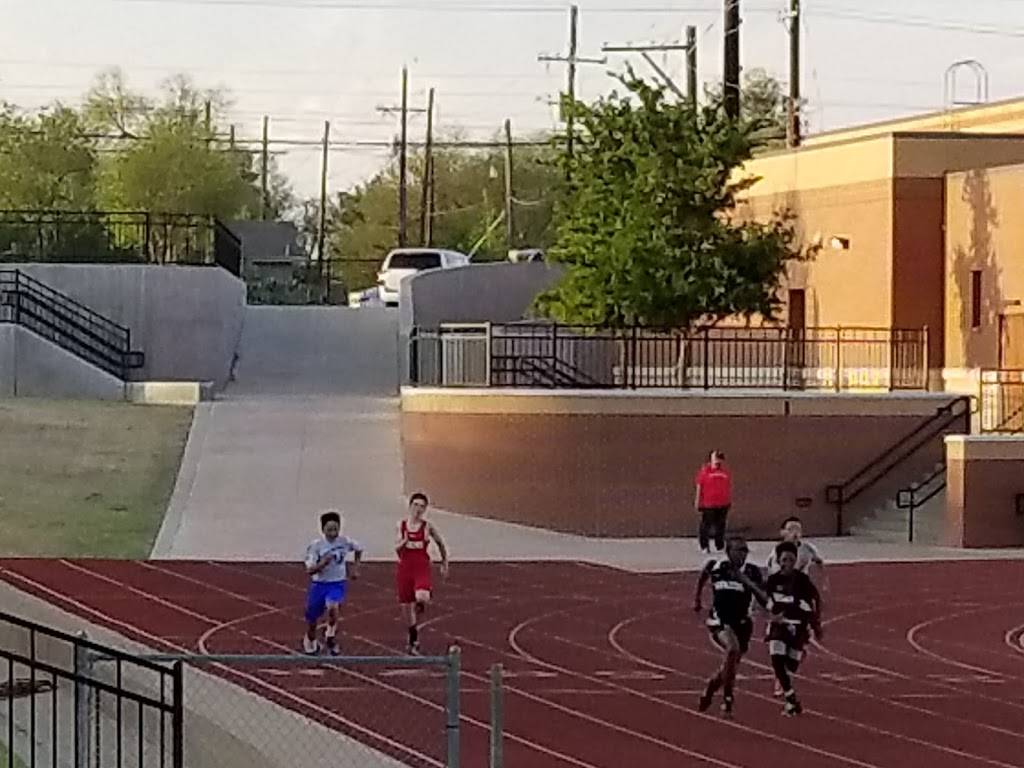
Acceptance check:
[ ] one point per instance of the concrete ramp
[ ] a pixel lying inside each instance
(314, 351)
(310, 421)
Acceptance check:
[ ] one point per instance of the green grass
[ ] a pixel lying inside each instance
(5, 759)
(86, 479)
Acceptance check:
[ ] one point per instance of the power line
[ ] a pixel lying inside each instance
(923, 22)
(447, 7)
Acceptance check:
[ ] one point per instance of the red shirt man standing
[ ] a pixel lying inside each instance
(712, 501)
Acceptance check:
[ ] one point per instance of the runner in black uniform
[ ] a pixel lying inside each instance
(734, 582)
(795, 606)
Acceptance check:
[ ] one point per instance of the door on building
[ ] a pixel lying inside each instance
(796, 332)
(1011, 342)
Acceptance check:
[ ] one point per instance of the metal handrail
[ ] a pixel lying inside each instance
(840, 494)
(68, 323)
(908, 499)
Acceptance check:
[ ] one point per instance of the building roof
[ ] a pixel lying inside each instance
(1004, 117)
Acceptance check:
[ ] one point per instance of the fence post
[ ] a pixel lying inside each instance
(83, 698)
(489, 351)
(707, 353)
(178, 716)
(839, 358)
(497, 718)
(910, 516)
(926, 361)
(412, 357)
(452, 708)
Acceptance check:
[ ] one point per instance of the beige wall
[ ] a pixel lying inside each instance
(984, 230)
(933, 156)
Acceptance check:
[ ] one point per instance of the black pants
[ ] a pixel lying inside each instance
(712, 526)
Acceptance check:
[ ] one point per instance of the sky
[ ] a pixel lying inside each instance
(306, 61)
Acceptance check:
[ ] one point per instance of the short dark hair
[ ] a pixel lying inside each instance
(329, 517)
(719, 454)
(418, 496)
(783, 547)
(735, 541)
(791, 519)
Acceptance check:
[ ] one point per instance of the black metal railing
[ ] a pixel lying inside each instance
(881, 466)
(559, 356)
(919, 494)
(58, 708)
(69, 324)
(117, 237)
(1002, 401)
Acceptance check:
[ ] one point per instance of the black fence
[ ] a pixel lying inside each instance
(58, 710)
(1002, 401)
(88, 237)
(563, 357)
(67, 323)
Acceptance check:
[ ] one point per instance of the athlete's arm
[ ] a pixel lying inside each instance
(441, 547)
(357, 559)
(754, 583)
(701, 581)
(400, 539)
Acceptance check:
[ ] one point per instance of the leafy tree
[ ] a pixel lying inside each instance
(469, 199)
(46, 162)
(645, 228)
(764, 104)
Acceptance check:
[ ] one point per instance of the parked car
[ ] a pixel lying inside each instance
(403, 262)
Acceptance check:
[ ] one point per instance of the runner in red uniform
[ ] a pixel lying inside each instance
(415, 535)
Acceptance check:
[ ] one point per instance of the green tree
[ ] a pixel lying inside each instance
(764, 104)
(645, 229)
(174, 161)
(469, 199)
(46, 161)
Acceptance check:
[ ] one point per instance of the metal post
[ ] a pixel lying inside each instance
(178, 716)
(925, 357)
(839, 359)
(497, 718)
(452, 708)
(83, 733)
(910, 531)
(707, 355)
(489, 352)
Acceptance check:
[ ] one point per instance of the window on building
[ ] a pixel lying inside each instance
(975, 298)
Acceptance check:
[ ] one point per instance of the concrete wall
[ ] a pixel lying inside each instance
(985, 474)
(187, 320)
(31, 366)
(500, 292)
(622, 464)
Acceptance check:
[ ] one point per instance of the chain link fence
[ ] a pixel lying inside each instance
(250, 711)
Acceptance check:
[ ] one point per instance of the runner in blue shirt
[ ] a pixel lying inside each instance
(328, 569)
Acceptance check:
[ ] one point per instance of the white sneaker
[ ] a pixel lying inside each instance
(310, 647)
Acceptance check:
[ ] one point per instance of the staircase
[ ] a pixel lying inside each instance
(882, 486)
(70, 325)
(924, 501)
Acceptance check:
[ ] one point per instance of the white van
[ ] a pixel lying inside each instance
(403, 262)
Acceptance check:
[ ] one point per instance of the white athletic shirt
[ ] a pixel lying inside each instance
(336, 570)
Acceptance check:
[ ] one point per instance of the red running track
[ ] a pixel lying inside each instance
(922, 664)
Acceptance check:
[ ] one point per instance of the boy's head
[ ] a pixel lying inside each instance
(330, 524)
(786, 556)
(716, 459)
(418, 505)
(736, 550)
(792, 529)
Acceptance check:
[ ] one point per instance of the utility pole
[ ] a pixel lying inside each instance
(731, 68)
(231, 137)
(264, 167)
(691, 65)
(426, 209)
(403, 156)
(510, 230)
(403, 163)
(645, 51)
(793, 113)
(573, 60)
(321, 234)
